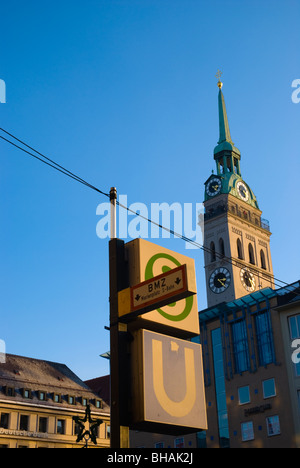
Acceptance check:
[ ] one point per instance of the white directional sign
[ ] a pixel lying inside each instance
(164, 286)
(156, 292)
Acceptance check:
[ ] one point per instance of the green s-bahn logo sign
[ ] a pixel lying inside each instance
(168, 262)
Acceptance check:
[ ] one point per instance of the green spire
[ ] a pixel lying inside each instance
(225, 142)
(223, 121)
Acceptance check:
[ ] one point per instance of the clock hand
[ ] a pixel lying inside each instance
(222, 281)
(248, 277)
(242, 190)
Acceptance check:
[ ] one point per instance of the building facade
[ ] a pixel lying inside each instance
(38, 400)
(250, 332)
(251, 350)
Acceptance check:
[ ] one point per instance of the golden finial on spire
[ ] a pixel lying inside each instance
(218, 75)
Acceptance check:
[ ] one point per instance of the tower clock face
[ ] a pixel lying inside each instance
(247, 279)
(219, 280)
(213, 187)
(242, 191)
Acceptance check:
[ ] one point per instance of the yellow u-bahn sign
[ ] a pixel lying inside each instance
(168, 388)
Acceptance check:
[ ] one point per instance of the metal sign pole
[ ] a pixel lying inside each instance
(113, 213)
(118, 277)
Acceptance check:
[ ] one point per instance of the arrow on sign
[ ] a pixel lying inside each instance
(156, 292)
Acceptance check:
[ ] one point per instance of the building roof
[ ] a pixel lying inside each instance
(37, 375)
(101, 386)
(286, 294)
(289, 294)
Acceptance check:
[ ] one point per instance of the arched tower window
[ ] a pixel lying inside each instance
(263, 260)
(239, 249)
(212, 252)
(251, 254)
(221, 247)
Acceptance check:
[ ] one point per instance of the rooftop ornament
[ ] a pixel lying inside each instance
(218, 75)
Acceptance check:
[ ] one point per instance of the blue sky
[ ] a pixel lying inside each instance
(123, 93)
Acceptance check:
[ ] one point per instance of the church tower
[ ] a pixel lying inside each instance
(236, 239)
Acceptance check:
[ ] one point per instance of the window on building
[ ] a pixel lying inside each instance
(26, 393)
(24, 422)
(294, 326)
(212, 252)
(263, 260)
(244, 395)
(240, 346)
(4, 420)
(273, 426)
(221, 168)
(239, 249)
(264, 337)
(251, 254)
(201, 439)
(10, 391)
(56, 398)
(42, 396)
(220, 387)
(236, 165)
(247, 431)
(269, 389)
(43, 424)
(228, 163)
(221, 247)
(61, 426)
(71, 400)
(77, 428)
(159, 445)
(179, 442)
(97, 431)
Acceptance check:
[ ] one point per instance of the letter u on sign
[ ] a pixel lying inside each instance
(181, 408)
(167, 383)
